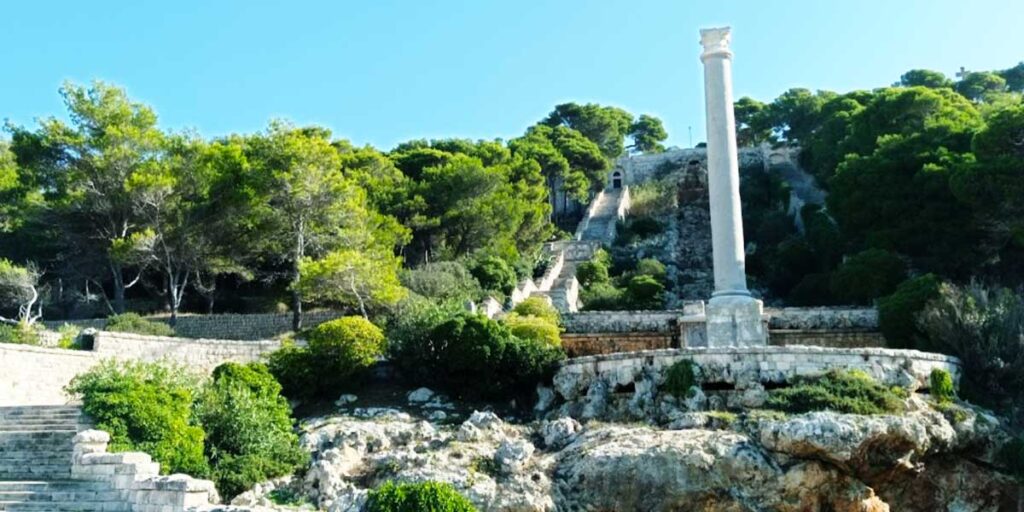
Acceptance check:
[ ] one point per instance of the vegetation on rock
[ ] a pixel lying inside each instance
(417, 497)
(136, 324)
(852, 392)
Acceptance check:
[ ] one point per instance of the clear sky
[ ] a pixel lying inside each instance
(384, 71)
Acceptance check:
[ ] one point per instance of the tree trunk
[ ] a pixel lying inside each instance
(300, 251)
(116, 272)
(209, 303)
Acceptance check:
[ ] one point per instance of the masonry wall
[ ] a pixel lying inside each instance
(259, 326)
(826, 338)
(577, 345)
(37, 375)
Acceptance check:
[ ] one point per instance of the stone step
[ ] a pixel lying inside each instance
(98, 506)
(46, 416)
(70, 495)
(55, 485)
(44, 427)
(39, 410)
(41, 471)
(9, 463)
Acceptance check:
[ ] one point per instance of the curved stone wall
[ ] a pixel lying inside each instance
(739, 368)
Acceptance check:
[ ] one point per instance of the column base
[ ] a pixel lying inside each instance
(735, 321)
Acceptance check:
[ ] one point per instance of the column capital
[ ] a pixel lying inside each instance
(716, 42)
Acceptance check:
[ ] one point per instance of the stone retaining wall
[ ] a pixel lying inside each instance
(200, 354)
(256, 326)
(629, 321)
(577, 345)
(37, 375)
(579, 379)
(826, 338)
(822, 318)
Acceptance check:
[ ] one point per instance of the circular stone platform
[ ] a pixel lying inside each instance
(740, 368)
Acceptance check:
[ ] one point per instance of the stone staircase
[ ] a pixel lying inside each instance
(36, 459)
(603, 215)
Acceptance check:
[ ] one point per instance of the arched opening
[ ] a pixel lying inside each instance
(617, 179)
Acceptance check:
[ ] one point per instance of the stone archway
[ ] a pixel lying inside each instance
(616, 180)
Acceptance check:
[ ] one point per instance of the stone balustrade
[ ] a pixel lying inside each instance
(136, 477)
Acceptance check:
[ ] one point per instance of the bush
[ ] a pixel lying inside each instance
(249, 436)
(20, 334)
(494, 274)
(145, 407)
(983, 328)
(637, 228)
(591, 273)
(941, 385)
(679, 378)
(533, 328)
(540, 308)
(408, 330)
(447, 280)
(644, 292)
(340, 354)
(897, 313)
(650, 267)
(474, 355)
(417, 497)
(867, 276)
(69, 337)
(602, 297)
(812, 290)
(843, 391)
(135, 324)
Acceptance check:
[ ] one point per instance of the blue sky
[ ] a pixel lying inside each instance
(383, 71)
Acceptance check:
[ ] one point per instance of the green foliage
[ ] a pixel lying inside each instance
(650, 267)
(69, 337)
(925, 78)
(135, 324)
(20, 333)
(340, 353)
(602, 297)
(494, 274)
(635, 229)
(982, 327)
(977, 85)
(644, 292)
(647, 133)
(448, 280)
(680, 377)
(867, 276)
(248, 424)
(1011, 457)
(850, 392)
(145, 407)
(540, 308)
(533, 328)
(417, 497)
(941, 385)
(364, 279)
(473, 355)
(897, 313)
(652, 198)
(592, 273)
(408, 333)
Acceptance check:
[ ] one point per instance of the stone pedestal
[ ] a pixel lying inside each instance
(733, 316)
(735, 321)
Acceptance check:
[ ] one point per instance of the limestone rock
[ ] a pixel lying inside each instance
(345, 399)
(560, 432)
(512, 455)
(419, 396)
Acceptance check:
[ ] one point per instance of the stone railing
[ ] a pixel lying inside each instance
(587, 215)
(553, 271)
(136, 478)
(632, 321)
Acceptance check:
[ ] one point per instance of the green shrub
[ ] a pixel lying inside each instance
(494, 274)
(591, 273)
(473, 355)
(540, 308)
(248, 424)
(812, 290)
(866, 276)
(145, 407)
(448, 280)
(897, 313)
(69, 337)
(1011, 457)
(408, 330)
(340, 353)
(852, 392)
(20, 334)
(941, 385)
(644, 292)
(533, 328)
(679, 378)
(417, 497)
(636, 228)
(981, 327)
(603, 297)
(135, 324)
(650, 267)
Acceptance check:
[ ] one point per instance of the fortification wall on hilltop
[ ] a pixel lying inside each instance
(640, 168)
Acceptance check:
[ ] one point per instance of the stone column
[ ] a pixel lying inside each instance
(733, 316)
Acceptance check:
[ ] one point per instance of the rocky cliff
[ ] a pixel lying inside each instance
(922, 460)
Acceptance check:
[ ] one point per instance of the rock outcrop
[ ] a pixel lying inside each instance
(922, 460)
